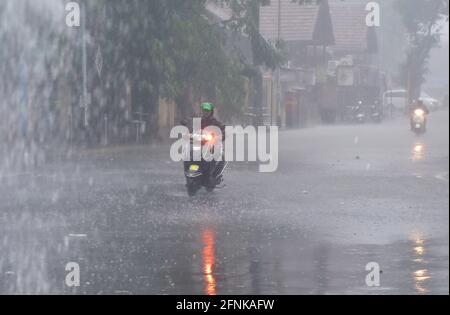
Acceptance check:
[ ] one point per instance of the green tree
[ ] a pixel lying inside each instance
(203, 67)
(134, 37)
(165, 48)
(422, 21)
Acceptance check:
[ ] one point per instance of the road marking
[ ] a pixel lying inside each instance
(16, 175)
(443, 177)
(77, 235)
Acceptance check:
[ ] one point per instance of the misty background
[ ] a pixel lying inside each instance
(148, 65)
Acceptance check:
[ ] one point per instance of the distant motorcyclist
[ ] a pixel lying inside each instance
(418, 105)
(208, 119)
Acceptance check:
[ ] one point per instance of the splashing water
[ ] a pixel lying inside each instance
(33, 59)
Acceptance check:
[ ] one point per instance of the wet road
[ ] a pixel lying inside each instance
(343, 196)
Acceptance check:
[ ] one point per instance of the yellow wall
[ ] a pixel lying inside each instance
(167, 112)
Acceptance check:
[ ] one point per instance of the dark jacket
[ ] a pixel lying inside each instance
(419, 106)
(211, 121)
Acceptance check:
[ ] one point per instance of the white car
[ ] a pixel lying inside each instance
(430, 102)
(398, 100)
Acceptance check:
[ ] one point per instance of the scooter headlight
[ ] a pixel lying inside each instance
(419, 112)
(208, 137)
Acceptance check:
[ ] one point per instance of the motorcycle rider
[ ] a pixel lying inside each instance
(415, 106)
(208, 119)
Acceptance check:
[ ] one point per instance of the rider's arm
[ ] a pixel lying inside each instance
(221, 127)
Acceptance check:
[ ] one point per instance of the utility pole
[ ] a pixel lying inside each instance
(85, 94)
(278, 104)
(259, 81)
(106, 129)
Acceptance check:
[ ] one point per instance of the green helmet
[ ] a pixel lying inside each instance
(207, 107)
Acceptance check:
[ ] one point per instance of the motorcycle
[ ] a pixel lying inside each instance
(354, 113)
(198, 174)
(376, 113)
(418, 121)
(359, 114)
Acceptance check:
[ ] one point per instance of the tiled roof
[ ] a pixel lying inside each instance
(308, 23)
(297, 22)
(351, 33)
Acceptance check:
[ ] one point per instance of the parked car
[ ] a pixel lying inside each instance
(397, 100)
(431, 103)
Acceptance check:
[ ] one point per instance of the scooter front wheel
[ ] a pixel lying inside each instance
(192, 187)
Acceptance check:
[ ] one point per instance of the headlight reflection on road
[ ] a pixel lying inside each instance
(419, 248)
(418, 152)
(422, 274)
(208, 259)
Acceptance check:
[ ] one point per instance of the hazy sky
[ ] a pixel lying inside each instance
(445, 32)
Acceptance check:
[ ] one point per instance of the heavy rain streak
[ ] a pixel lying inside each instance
(326, 122)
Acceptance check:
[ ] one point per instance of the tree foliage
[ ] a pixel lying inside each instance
(158, 49)
(166, 48)
(423, 22)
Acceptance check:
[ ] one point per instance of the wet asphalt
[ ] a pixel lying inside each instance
(342, 197)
